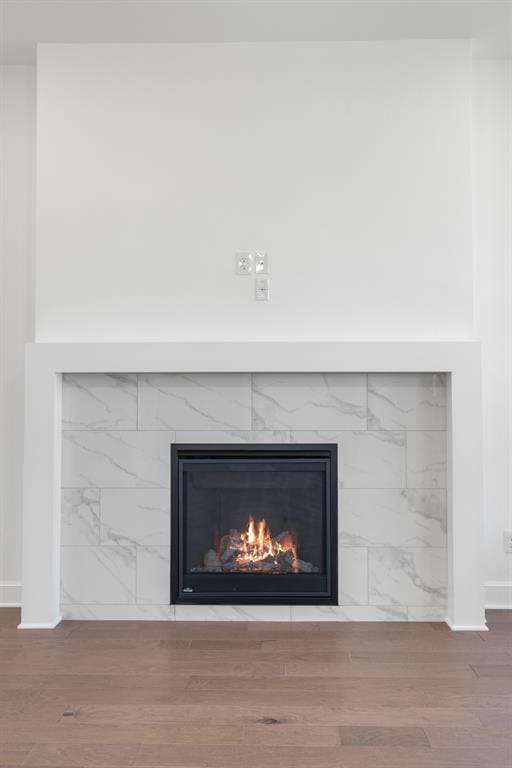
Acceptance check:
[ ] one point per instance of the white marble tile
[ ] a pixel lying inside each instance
(316, 613)
(153, 574)
(426, 459)
(305, 436)
(232, 613)
(232, 436)
(365, 459)
(427, 613)
(195, 401)
(118, 612)
(80, 508)
(132, 470)
(99, 401)
(372, 460)
(353, 576)
(135, 516)
(116, 459)
(392, 517)
(98, 575)
(406, 401)
(407, 576)
(309, 401)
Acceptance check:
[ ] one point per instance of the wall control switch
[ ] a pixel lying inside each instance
(261, 263)
(243, 263)
(507, 541)
(261, 289)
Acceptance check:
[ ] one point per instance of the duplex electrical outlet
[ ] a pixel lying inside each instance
(507, 541)
(243, 263)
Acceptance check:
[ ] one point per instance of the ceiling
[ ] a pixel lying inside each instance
(23, 23)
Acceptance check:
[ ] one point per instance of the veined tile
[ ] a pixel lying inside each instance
(98, 575)
(153, 572)
(407, 576)
(195, 401)
(426, 459)
(305, 436)
(309, 401)
(392, 517)
(232, 436)
(135, 516)
(372, 460)
(232, 613)
(99, 401)
(80, 518)
(316, 613)
(353, 576)
(317, 435)
(132, 470)
(116, 459)
(119, 612)
(406, 401)
(427, 612)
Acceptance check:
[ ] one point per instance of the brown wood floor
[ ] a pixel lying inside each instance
(256, 695)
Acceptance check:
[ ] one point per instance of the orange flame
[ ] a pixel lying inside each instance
(257, 544)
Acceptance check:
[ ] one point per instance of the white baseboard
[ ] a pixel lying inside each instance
(10, 594)
(467, 627)
(498, 594)
(42, 625)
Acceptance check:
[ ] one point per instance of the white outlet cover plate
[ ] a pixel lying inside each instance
(261, 263)
(243, 263)
(261, 289)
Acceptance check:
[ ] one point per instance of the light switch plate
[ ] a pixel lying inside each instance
(262, 289)
(261, 263)
(243, 263)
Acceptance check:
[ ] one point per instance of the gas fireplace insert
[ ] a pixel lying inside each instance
(254, 524)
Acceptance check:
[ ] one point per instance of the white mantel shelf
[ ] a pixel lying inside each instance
(46, 362)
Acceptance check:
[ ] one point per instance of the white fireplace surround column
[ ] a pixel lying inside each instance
(45, 364)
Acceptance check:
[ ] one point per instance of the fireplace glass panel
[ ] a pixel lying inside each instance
(264, 519)
(253, 523)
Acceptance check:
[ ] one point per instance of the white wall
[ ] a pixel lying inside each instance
(348, 162)
(492, 163)
(17, 112)
(17, 197)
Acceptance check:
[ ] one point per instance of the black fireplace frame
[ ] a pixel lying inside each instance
(310, 451)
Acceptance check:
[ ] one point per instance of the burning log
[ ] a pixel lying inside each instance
(230, 544)
(255, 551)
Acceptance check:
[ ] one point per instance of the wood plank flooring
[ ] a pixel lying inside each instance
(254, 695)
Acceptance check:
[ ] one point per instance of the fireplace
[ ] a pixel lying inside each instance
(254, 524)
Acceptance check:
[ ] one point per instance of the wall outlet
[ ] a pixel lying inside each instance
(243, 263)
(507, 541)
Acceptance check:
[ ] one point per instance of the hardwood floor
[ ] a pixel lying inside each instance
(192, 695)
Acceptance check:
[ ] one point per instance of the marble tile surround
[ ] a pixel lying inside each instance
(391, 435)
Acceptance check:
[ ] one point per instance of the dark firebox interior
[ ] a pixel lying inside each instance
(223, 497)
